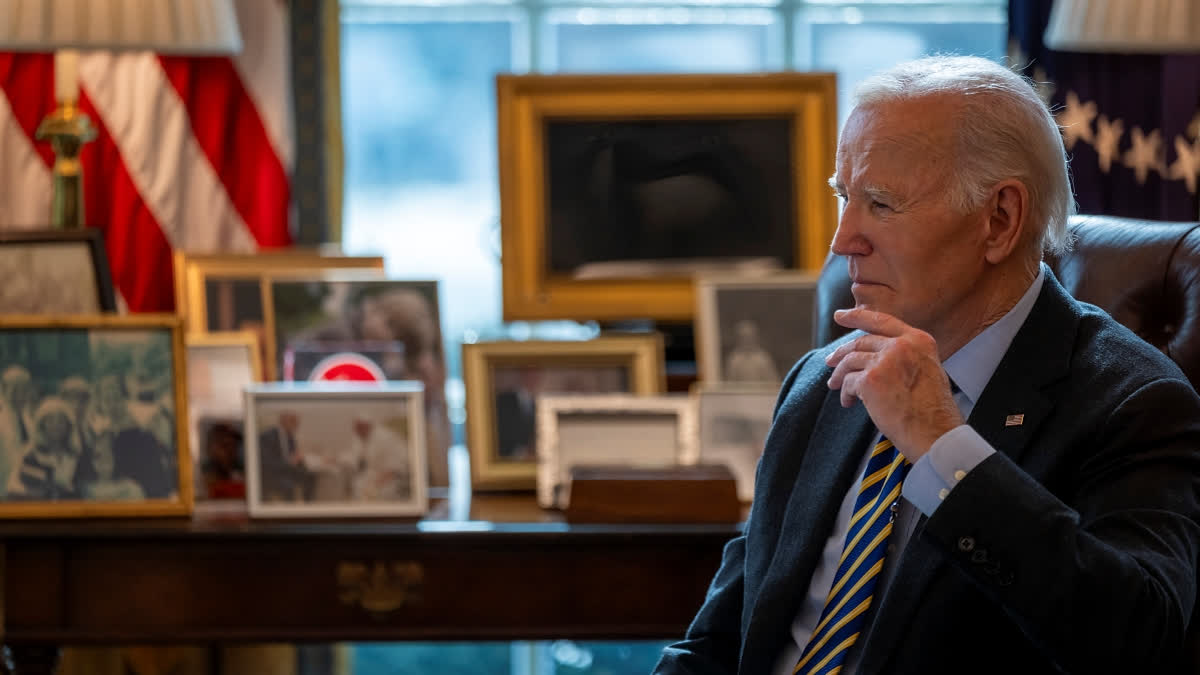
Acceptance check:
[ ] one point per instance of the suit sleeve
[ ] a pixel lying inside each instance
(712, 644)
(1104, 581)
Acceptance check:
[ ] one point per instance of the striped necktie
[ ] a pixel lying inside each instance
(844, 615)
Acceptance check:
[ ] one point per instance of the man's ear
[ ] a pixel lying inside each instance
(1006, 220)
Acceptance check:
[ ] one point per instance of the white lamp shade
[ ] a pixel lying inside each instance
(1124, 26)
(165, 26)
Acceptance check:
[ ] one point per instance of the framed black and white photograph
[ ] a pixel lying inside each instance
(616, 430)
(220, 367)
(335, 450)
(752, 329)
(55, 272)
(338, 312)
(505, 378)
(91, 417)
(734, 421)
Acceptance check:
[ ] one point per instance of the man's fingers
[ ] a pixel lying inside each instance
(853, 362)
(871, 321)
(850, 387)
(864, 343)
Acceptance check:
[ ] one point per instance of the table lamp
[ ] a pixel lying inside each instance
(191, 27)
(1124, 26)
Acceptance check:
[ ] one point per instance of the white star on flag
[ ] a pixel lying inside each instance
(1108, 141)
(1076, 120)
(1147, 153)
(1187, 164)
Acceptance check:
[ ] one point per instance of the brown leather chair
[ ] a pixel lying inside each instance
(1146, 274)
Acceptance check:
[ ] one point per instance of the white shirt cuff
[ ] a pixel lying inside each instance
(948, 461)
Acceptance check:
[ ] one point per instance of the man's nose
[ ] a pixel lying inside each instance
(849, 239)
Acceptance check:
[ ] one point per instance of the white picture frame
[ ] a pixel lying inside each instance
(614, 429)
(220, 366)
(733, 422)
(363, 456)
(771, 313)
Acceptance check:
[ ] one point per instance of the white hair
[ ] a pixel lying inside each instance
(1004, 131)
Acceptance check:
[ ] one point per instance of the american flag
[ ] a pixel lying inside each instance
(191, 153)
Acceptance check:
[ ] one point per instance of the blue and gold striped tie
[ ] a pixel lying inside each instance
(844, 615)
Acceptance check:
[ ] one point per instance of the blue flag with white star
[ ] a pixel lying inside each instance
(1131, 123)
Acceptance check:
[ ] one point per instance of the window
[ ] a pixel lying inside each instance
(421, 170)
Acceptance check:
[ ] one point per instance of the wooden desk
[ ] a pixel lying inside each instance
(502, 570)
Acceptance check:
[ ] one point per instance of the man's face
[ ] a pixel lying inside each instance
(911, 253)
(289, 421)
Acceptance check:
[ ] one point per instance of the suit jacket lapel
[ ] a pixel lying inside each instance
(825, 474)
(1039, 355)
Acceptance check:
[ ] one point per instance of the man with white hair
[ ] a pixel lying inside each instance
(987, 476)
(382, 456)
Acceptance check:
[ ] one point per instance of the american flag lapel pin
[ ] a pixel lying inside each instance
(1014, 420)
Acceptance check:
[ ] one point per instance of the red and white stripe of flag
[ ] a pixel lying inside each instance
(191, 152)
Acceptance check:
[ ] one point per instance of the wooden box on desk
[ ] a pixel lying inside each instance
(684, 494)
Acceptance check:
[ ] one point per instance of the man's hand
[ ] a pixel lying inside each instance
(897, 374)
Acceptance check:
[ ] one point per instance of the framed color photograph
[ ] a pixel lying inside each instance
(377, 314)
(504, 380)
(734, 421)
(55, 272)
(228, 292)
(616, 190)
(92, 421)
(220, 366)
(614, 430)
(335, 450)
(751, 330)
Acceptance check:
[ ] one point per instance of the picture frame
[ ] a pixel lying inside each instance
(356, 450)
(220, 367)
(503, 380)
(222, 292)
(752, 329)
(756, 148)
(343, 307)
(49, 271)
(623, 430)
(112, 440)
(732, 426)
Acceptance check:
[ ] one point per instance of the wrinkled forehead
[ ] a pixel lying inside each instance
(900, 138)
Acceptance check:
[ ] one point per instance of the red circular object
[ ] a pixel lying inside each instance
(346, 367)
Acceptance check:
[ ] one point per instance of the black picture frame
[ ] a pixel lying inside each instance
(91, 237)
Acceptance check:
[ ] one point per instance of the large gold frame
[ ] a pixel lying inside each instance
(179, 506)
(641, 355)
(527, 102)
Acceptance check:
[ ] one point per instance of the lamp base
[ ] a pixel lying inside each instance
(67, 129)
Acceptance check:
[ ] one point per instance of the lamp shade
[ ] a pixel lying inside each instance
(1124, 26)
(165, 26)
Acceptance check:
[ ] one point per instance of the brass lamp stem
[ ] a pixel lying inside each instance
(67, 129)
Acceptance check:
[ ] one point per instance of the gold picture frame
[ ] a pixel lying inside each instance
(44, 348)
(582, 367)
(193, 272)
(802, 105)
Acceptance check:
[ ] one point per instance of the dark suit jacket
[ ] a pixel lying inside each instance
(1072, 549)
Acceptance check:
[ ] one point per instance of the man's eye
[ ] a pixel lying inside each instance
(878, 205)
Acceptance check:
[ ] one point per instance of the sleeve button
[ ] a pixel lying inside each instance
(960, 474)
(966, 544)
(979, 556)
(942, 493)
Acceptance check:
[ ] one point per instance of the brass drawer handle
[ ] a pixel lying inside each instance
(381, 588)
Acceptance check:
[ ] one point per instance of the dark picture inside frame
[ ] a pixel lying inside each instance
(627, 197)
(55, 272)
(307, 313)
(89, 417)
